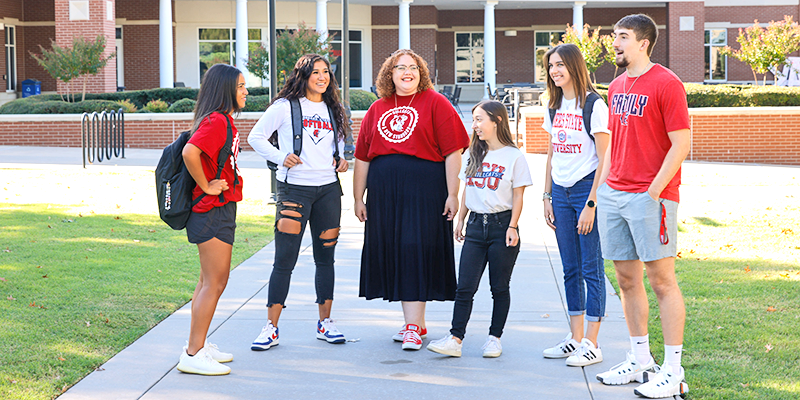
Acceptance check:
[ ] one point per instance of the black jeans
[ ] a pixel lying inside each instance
(484, 242)
(321, 207)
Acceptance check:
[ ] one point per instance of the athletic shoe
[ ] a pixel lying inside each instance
(492, 347)
(214, 352)
(586, 354)
(201, 363)
(398, 337)
(447, 345)
(411, 339)
(267, 338)
(628, 371)
(326, 330)
(665, 384)
(563, 349)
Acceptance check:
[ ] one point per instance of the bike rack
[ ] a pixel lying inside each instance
(102, 134)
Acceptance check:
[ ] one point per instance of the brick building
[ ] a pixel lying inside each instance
(159, 42)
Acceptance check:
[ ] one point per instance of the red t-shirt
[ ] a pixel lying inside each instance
(210, 138)
(424, 125)
(639, 122)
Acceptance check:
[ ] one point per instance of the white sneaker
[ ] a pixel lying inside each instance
(398, 337)
(665, 384)
(447, 345)
(563, 349)
(214, 352)
(267, 339)
(202, 364)
(628, 371)
(492, 347)
(586, 354)
(326, 330)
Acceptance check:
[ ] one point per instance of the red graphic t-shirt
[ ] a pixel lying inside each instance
(426, 127)
(210, 138)
(639, 122)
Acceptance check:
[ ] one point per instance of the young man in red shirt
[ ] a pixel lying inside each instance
(637, 206)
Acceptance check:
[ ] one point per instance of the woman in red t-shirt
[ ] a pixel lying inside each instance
(212, 223)
(408, 156)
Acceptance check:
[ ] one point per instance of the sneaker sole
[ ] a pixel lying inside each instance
(491, 355)
(444, 352)
(681, 391)
(399, 338)
(554, 356)
(584, 363)
(411, 346)
(641, 377)
(339, 340)
(263, 347)
(226, 360)
(188, 370)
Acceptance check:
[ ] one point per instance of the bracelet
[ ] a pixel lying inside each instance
(546, 196)
(513, 227)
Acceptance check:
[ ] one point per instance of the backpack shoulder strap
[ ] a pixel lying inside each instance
(225, 152)
(335, 134)
(297, 126)
(587, 112)
(552, 115)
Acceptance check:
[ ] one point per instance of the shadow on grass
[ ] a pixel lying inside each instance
(707, 221)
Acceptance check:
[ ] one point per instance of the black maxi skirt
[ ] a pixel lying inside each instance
(408, 244)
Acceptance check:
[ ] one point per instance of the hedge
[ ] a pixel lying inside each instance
(58, 107)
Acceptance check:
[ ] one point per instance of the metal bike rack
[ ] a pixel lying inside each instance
(103, 135)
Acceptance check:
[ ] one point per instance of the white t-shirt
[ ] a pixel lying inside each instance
(317, 168)
(492, 190)
(574, 152)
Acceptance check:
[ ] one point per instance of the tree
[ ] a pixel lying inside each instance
(591, 46)
(84, 58)
(291, 45)
(766, 49)
(58, 63)
(90, 58)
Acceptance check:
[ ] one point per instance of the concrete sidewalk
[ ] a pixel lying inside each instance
(370, 365)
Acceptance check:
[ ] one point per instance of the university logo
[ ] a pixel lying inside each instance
(562, 136)
(318, 127)
(489, 178)
(397, 124)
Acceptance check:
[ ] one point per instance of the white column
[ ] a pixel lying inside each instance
(405, 25)
(165, 59)
(489, 50)
(577, 17)
(322, 19)
(241, 36)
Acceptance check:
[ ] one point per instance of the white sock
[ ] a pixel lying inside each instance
(672, 356)
(640, 345)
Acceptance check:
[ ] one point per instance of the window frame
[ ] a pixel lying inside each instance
(708, 76)
(537, 61)
(11, 81)
(471, 49)
(232, 48)
(351, 43)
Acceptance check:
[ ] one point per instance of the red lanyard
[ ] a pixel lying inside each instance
(663, 232)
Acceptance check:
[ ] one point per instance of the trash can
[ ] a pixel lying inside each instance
(31, 87)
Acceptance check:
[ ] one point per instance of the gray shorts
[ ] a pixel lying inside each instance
(630, 225)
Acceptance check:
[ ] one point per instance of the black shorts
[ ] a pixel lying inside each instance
(219, 222)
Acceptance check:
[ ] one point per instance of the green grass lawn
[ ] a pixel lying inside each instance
(739, 270)
(81, 280)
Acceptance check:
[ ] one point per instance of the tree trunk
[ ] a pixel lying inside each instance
(755, 78)
(83, 94)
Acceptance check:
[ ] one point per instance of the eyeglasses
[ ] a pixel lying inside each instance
(403, 68)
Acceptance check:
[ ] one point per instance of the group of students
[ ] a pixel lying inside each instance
(612, 177)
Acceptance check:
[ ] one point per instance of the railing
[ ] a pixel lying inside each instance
(102, 135)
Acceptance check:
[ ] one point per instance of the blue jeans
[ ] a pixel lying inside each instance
(485, 241)
(581, 255)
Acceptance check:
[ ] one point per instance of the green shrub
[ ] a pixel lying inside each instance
(698, 95)
(25, 106)
(361, 99)
(156, 106)
(763, 96)
(128, 106)
(258, 91)
(182, 105)
(256, 103)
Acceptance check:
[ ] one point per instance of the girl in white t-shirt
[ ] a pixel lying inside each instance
(574, 162)
(496, 174)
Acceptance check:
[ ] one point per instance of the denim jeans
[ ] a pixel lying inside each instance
(321, 207)
(485, 241)
(581, 255)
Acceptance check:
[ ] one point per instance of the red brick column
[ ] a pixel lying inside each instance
(97, 24)
(685, 48)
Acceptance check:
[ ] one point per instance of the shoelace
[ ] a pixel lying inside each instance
(411, 334)
(212, 345)
(490, 342)
(330, 326)
(582, 351)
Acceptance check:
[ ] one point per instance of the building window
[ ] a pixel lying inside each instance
(545, 40)
(11, 59)
(469, 57)
(355, 56)
(218, 46)
(716, 63)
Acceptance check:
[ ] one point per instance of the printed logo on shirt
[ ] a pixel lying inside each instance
(568, 121)
(317, 127)
(487, 179)
(397, 125)
(628, 105)
(235, 154)
(562, 136)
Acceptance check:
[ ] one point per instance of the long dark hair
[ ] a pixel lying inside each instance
(477, 147)
(579, 75)
(217, 93)
(297, 83)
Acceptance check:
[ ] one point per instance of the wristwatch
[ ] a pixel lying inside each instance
(590, 203)
(547, 196)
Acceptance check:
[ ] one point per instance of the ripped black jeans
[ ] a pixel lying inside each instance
(321, 207)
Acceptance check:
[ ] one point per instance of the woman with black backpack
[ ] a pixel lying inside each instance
(307, 120)
(212, 223)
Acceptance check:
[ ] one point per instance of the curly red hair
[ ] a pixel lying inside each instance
(384, 83)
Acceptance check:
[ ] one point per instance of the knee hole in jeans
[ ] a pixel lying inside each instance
(329, 237)
(287, 223)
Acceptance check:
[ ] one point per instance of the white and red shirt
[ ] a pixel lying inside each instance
(640, 116)
(491, 190)
(424, 125)
(210, 138)
(574, 152)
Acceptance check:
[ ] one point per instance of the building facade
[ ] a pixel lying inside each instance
(465, 42)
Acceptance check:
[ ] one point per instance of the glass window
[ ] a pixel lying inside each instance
(218, 46)
(355, 56)
(715, 63)
(11, 58)
(469, 57)
(545, 40)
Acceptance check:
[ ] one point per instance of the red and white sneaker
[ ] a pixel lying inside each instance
(398, 337)
(411, 338)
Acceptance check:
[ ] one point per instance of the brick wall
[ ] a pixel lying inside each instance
(685, 48)
(35, 36)
(39, 10)
(140, 44)
(11, 9)
(139, 9)
(446, 57)
(384, 43)
(423, 42)
(750, 135)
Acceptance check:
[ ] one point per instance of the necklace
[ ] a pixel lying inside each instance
(627, 112)
(409, 103)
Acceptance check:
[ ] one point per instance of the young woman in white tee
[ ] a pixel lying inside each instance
(574, 162)
(496, 174)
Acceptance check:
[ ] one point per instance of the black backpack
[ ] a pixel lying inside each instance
(174, 184)
(587, 112)
(297, 133)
